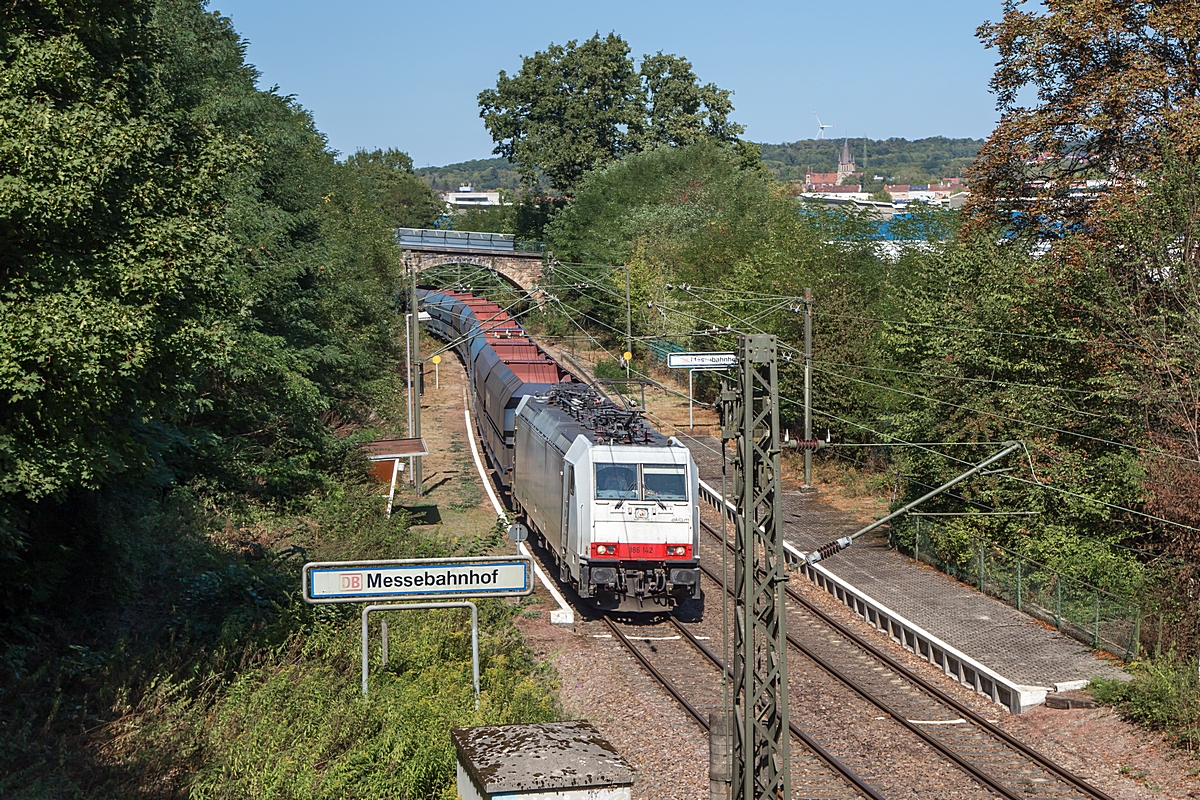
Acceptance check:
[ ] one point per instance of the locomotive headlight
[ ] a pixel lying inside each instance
(605, 549)
(677, 550)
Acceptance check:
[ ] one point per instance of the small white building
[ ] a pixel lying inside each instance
(553, 760)
(466, 197)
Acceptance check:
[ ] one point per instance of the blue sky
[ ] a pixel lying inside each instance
(406, 74)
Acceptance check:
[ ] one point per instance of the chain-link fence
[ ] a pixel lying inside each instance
(1088, 613)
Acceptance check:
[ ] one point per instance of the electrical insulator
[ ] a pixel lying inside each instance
(825, 551)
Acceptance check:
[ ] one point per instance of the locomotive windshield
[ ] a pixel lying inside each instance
(665, 481)
(655, 482)
(616, 482)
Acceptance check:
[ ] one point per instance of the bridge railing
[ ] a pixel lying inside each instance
(433, 239)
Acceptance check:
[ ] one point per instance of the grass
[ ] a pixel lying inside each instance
(1164, 696)
(180, 660)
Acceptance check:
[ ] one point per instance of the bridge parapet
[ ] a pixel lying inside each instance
(509, 257)
(434, 239)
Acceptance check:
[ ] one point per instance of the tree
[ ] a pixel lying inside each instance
(406, 200)
(679, 111)
(1149, 251)
(573, 108)
(1087, 89)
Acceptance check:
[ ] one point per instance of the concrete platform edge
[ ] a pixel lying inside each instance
(1014, 696)
(959, 666)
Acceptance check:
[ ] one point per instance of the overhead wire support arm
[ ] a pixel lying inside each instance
(837, 545)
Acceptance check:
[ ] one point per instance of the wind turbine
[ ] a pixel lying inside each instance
(821, 128)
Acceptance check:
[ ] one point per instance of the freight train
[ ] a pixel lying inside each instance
(611, 500)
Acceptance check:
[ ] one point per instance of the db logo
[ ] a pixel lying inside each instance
(351, 581)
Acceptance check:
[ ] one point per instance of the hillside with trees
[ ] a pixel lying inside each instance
(897, 160)
(481, 173)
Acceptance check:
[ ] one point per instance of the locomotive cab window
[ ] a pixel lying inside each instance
(616, 482)
(665, 481)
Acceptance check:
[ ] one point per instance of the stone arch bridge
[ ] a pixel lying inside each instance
(425, 249)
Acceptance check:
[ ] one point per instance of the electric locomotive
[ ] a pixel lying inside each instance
(611, 500)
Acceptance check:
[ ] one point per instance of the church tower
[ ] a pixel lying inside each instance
(845, 164)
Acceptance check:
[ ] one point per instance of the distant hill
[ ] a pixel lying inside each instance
(482, 173)
(897, 160)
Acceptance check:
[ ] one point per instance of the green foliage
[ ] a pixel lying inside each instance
(194, 297)
(215, 286)
(576, 107)
(896, 160)
(218, 676)
(113, 260)
(609, 371)
(697, 215)
(302, 728)
(955, 375)
(487, 219)
(481, 173)
(405, 200)
(1163, 696)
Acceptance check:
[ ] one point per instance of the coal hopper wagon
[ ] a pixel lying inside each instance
(612, 501)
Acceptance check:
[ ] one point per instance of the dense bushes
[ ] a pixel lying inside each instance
(195, 329)
(1164, 696)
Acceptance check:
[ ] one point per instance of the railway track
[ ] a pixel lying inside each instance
(866, 680)
(690, 671)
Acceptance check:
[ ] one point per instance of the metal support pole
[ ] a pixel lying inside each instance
(392, 490)
(408, 375)
(981, 566)
(1135, 641)
(383, 644)
(628, 322)
(1058, 602)
(1018, 583)
(808, 386)
(761, 763)
(416, 607)
(416, 385)
(1096, 635)
(691, 422)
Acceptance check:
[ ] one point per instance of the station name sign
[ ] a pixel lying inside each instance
(701, 360)
(418, 578)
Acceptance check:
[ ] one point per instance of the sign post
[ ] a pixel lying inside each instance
(437, 380)
(702, 362)
(446, 580)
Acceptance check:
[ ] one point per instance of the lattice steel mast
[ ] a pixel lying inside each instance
(761, 765)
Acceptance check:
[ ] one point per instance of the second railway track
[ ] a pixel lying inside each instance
(690, 670)
(840, 681)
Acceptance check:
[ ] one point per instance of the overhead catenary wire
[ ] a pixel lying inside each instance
(1040, 484)
(1036, 481)
(752, 295)
(1007, 418)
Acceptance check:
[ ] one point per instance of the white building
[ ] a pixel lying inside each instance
(466, 197)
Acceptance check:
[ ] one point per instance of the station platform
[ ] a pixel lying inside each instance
(980, 641)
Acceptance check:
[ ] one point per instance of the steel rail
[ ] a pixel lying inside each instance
(831, 760)
(809, 742)
(1051, 767)
(658, 676)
